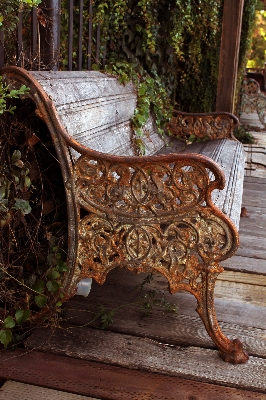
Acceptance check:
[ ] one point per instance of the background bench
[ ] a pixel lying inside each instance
(175, 210)
(253, 100)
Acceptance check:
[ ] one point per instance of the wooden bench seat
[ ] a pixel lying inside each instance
(175, 210)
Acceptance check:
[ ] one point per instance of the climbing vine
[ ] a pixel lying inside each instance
(169, 49)
(248, 25)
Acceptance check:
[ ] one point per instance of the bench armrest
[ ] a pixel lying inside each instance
(150, 211)
(216, 125)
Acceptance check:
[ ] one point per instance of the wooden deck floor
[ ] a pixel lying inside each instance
(164, 356)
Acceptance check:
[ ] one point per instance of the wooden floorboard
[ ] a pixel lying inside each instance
(108, 382)
(251, 179)
(252, 246)
(144, 354)
(245, 264)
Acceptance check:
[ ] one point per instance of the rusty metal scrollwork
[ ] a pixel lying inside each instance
(148, 217)
(252, 100)
(203, 126)
(156, 216)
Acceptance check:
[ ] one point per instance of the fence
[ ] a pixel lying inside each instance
(37, 42)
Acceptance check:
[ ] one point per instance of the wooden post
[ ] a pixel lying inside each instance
(229, 53)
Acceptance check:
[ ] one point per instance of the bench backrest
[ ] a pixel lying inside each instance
(96, 110)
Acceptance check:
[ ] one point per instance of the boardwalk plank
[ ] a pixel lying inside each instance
(252, 247)
(110, 382)
(237, 319)
(147, 355)
(245, 264)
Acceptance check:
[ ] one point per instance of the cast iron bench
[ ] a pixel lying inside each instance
(253, 100)
(175, 210)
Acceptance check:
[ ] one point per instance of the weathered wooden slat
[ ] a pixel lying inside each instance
(252, 279)
(147, 355)
(241, 320)
(250, 179)
(119, 291)
(241, 292)
(93, 107)
(255, 221)
(252, 247)
(182, 330)
(245, 264)
(255, 199)
(254, 196)
(21, 391)
(227, 154)
(107, 381)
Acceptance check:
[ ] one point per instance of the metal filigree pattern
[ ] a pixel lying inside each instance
(253, 100)
(149, 216)
(157, 216)
(204, 126)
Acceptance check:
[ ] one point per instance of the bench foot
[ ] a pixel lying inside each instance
(229, 350)
(236, 354)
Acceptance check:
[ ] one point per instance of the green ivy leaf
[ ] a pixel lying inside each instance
(95, 67)
(15, 156)
(22, 316)
(9, 322)
(53, 274)
(52, 286)
(38, 286)
(62, 266)
(40, 300)
(23, 206)
(5, 336)
(27, 182)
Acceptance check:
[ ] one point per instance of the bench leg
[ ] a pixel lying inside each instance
(229, 350)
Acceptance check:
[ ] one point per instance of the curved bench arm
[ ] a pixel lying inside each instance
(150, 213)
(155, 214)
(207, 126)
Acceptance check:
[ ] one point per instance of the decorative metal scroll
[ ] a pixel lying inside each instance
(149, 217)
(253, 100)
(203, 126)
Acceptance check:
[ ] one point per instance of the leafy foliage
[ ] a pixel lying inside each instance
(9, 10)
(256, 55)
(33, 227)
(248, 26)
(243, 135)
(170, 49)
